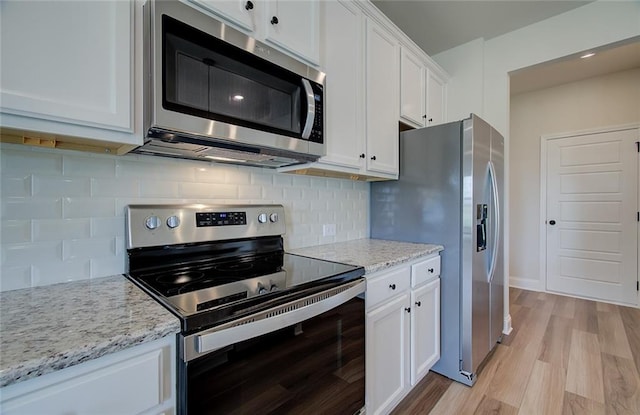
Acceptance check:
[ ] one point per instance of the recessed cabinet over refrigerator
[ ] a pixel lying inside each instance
(450, 190)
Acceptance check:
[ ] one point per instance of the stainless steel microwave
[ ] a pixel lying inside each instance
(214, 93)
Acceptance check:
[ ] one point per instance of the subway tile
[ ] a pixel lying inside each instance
(108, 187)
(105, 267)
(301, 180)
(237, 176)
(249, 192)
(84, 165)
(61, 271)
(158, 188)
(88, 248)
(264, 179)
(53, 186)
(59, 229)
(15, 231)
(206, 190)
(23, 160)
(108, 227)
(15, 278)
(88, 207)
(292, 193)
(282, 180)
(146, 167)
(211, 173)
(16, 186)
(272, 194)
(31, 208)
(16, 255)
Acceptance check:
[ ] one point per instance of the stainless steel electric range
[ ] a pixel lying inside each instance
(263, 331)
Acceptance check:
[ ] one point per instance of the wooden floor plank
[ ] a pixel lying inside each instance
(556, 342)
(612, 335)
(631, 321)
(622, 388)
(452, 400)
(424, 395)
(578, 405)
(584, 374)
(564, 306)
(491, 406)
(586, 316)
(545, 391)
(512, 375)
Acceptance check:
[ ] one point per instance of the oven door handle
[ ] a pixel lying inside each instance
(267, 321)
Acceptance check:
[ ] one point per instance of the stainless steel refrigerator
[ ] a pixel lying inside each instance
(450, 192)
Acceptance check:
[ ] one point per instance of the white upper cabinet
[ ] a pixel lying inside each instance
(342, 40)
(68, 68)
(435, 113)
(291, 25)
(382, 67)
(412, 88)
(422, 91)
(240, 12)
(294, 25)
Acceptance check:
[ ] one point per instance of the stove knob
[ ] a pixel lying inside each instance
(261, 289)
(273, 217)
(173, 222)
(262, 218)
(274, 288)
(152, 222)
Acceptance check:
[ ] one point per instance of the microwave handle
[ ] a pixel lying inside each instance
(311, 109)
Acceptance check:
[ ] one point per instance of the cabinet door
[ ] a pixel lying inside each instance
(387, 352)
(382, 100)
(239, 12)
(294, 25)
(412, 89)
(130, 381)
(68, 61)
(425, 329)
(343, 60)
(435, 99)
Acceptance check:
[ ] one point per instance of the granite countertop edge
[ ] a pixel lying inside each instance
(41, 337)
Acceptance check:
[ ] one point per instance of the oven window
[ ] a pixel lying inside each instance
(315, 366)
(206, 77)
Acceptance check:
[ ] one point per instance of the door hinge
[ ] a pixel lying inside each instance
(637, 285)
(638, 216)
(638, 146)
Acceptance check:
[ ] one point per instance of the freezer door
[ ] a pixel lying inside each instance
(477, 219)
(496, 291)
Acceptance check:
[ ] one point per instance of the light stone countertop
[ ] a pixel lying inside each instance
(44, 329)
(373, 254)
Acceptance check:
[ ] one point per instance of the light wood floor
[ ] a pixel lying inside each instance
(564, 356)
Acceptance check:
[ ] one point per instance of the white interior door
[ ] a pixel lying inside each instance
(591, 218)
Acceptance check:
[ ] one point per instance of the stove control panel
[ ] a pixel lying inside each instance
(156, 225)
(220, 218)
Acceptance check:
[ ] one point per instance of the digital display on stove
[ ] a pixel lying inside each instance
(220, 218)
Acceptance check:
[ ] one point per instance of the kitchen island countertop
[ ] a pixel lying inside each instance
(373, 254)
(44, 329)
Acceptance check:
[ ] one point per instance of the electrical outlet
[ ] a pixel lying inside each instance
(329, 229)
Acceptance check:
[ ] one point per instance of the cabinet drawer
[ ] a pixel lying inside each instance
(387, 285)
(425, 271)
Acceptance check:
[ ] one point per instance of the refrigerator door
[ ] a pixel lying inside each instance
(497, 278)
(475, 316)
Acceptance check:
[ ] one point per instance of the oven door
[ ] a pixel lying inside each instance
(310, 359)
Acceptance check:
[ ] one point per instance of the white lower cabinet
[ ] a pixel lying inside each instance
(137, 380)
(402, 331)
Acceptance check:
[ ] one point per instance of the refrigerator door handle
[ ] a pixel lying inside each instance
(496, 221)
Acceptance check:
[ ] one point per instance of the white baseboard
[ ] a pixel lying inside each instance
(506, 328)
(526, 284)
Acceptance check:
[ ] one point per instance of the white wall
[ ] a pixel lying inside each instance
(609, 100)
(593, 25)
(63, 212)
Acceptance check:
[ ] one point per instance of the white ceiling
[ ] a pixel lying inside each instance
(436, 26)
(439, 25)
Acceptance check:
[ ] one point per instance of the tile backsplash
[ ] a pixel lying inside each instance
(63, 211)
